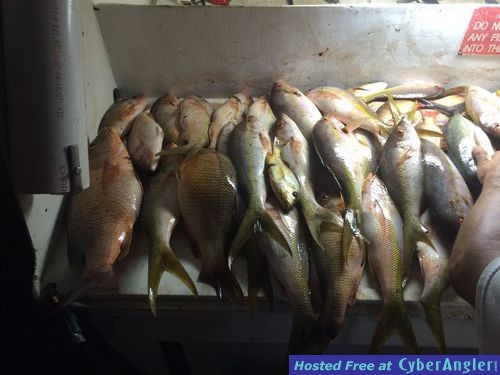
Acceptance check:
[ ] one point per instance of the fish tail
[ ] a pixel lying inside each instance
(162, 259)
(298, 340)
(351, 229)
(258, 279)
(101, 280)
(267, 223)
(223, 281)
(433, 318)
(412, 233)
(394, 319)
(245, 231)
(323, 332)
(316, 215)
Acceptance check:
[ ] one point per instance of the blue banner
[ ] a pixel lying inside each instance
(393, 364)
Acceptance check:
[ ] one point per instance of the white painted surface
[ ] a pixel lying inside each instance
(217, 51)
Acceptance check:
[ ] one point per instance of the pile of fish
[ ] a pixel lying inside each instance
(311, 186)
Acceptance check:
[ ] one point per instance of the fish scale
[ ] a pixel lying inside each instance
(207, 200)
(101, 218)
(402, 171)
(382, 227)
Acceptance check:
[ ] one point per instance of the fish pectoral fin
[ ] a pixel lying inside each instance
(404, 157)
(394, 318)
(162, 259)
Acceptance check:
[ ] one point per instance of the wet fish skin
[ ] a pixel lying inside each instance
(165, 111)
(462, 136)
(144, 142)
(159, 217)
(297, 154)
(101, 218)
(290, 100)
(121, 115)
(283, 182)
(401, 169)
(367, 88)
(232, 111)
(371, 145)
(206, 194)
(348, 109)
(290, 274)
(224, 137)
(446, 192)
(434, 264)
(483, 107)
(416, 90)
(194, 120)
(248, 147)
(349, 163)
(383, 227)
(339, 281)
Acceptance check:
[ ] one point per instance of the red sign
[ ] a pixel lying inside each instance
(483, 34)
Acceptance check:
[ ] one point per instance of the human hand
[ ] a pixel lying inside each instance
(488, 170)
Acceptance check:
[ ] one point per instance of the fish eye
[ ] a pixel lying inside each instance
(281, 124)
(401, 132)
(295, 194)
(460, 220)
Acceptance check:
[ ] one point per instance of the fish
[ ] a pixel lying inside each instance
(248, 147)
(434, 265)
(290, 273)
(349, 109)
(290, 100)
(431, 123)
(483, 107)
(194, 115)
(232, 111)
(407, 107)
(462, 136)
(258, 276)
(349, 163)
(165, 111)
(100, 219)
(383, 227)
(297, 154)
(368, 88)
(121, 115)
(207, 192)
(224, 137)
(283, 182)
(159, 216)
(373, 148)
(144, 142)
(339, 280)
(416, 90)
(401, 168)
(446, 192)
